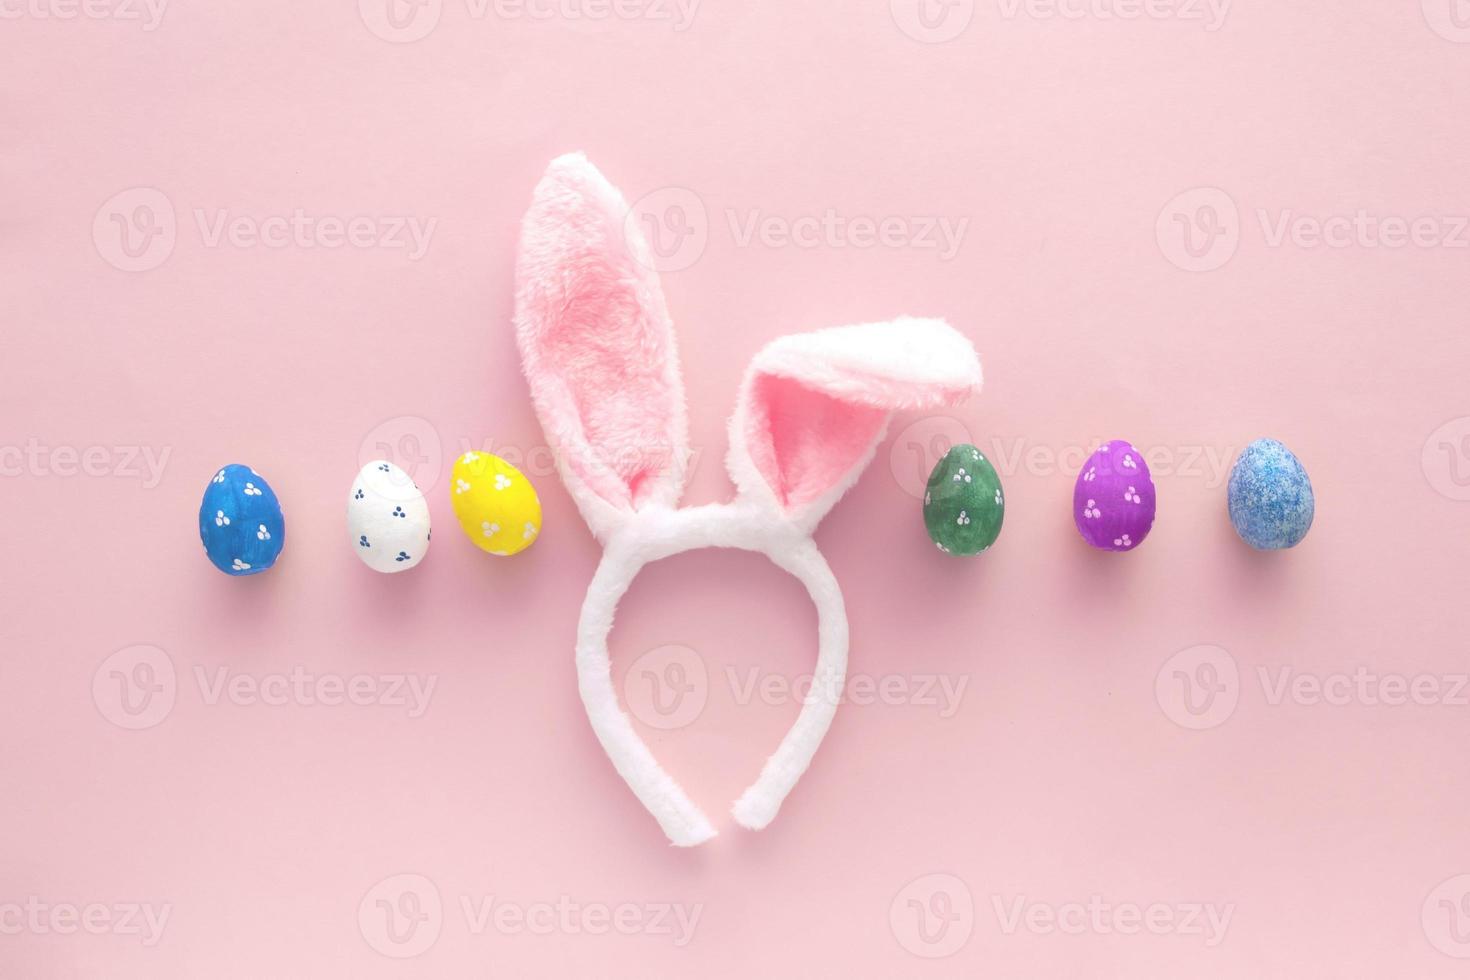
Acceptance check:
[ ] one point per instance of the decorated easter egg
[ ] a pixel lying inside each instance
(1270, 497)
(387, 518)
(1113, 502)
(240, 522)
(963, 503)
(496, 505)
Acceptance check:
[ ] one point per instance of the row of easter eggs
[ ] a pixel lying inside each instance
(1114, 501)
(244, 532)
(1113, 505)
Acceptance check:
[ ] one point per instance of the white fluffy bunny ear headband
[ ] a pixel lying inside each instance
(598, 351)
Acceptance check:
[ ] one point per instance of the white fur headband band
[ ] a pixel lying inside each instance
(599, 354)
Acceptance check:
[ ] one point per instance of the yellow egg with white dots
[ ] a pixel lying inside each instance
(496, 505)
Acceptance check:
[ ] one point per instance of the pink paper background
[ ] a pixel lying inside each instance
(1333, 833)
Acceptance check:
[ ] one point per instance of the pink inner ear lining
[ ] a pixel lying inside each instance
(620, 401)
(803, 441)
(601, 347)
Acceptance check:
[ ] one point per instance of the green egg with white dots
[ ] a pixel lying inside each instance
(964, 505)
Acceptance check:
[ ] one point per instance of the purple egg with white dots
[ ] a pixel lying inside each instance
(1114, 501)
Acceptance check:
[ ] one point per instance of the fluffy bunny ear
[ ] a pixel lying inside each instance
(598, 349)
(813, 406)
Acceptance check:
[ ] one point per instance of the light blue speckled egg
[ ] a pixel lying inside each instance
(240, 522)
(1270, 496)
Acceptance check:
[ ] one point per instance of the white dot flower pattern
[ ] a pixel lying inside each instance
(496, 505)
(964, 506)
(240, 522)
(1114, 501)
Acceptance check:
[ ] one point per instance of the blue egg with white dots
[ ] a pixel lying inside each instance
(240, 522)
(1270, 497)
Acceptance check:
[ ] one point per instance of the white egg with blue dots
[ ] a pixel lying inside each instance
(387, 518)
